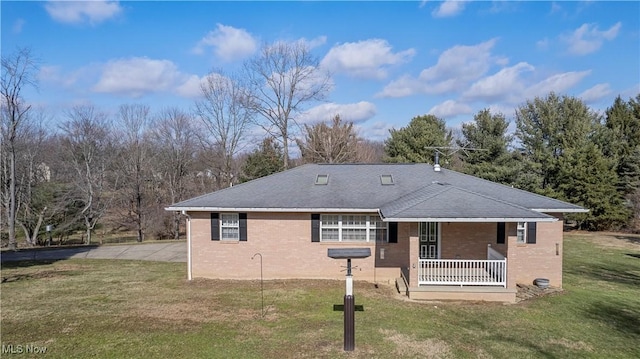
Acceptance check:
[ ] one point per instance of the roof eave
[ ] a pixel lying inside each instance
(560, 210)
(469, 219)
(270, 209)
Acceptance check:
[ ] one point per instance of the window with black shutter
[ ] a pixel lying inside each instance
(215, 227)
(315, 227)
(531, 232)
(393, 232)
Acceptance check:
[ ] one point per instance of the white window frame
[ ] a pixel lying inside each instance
(369, 227)
(235, 224)
(521, 232)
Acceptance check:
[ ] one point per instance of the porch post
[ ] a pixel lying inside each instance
(414, 255)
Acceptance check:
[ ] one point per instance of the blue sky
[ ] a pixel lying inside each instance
(390, 61)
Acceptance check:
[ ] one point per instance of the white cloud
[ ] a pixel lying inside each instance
(543, 44)
(139, 76)
(596, 93)
(402, 87)
(76, 80)
(315, 42)
(587, 38)
(228, 43)
(75, 12)
(500, 85)
(378, 131)
(49, 73)
(450, 108)
(449, 8)
(555, 8)
(503, 6)
(456, 69)
(190, 87)
(630, 92)
(18, 25)
(558, 83)
(364, 59)
(354, 112)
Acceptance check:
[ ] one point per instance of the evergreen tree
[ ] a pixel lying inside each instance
(589, 179)
(263, 161)
(410, 144)
(562, 160)
(490, 158)
(546, 128)
(623, 142)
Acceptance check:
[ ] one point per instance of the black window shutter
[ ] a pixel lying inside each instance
(215, 227)
(393, 232)
(501, 232)
(531, 232)
(243, 226)
(315, 227)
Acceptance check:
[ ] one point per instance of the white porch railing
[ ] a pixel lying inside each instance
(462, 272)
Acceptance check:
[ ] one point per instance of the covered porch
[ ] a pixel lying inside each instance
(458, 261)
(458, 279)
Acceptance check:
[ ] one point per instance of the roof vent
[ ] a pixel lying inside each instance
(436, 165)
(386, 179)
(322, 179)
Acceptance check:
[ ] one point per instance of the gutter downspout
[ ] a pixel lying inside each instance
(184, 213)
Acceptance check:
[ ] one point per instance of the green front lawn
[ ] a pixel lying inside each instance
(136, 309)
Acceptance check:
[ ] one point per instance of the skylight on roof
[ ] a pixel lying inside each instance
(386, 179)
(322, 179)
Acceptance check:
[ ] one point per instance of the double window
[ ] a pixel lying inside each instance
(352, 228)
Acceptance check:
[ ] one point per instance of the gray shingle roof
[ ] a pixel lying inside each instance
(418, 192)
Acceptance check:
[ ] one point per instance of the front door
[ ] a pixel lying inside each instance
(429, 240)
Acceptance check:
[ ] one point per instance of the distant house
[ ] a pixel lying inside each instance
(437, 233)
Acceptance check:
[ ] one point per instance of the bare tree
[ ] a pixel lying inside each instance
(18, 71)
(284, 77)
(174, 140)
(33, 203)
(133, 163)
(225, 115)
(369, 151)
(87, 147)
(334, 143)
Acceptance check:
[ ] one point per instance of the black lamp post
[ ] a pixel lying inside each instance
(349, 299)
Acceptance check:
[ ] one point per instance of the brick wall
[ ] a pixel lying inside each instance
(467, 240)
(284, 240)
(527, 262)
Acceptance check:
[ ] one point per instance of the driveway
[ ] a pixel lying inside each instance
(163, 252)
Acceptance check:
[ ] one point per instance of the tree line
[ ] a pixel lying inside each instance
(560, 148)
(119, 171)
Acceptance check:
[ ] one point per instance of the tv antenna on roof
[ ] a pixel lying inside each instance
(451, 150)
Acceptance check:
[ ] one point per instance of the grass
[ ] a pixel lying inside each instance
(136, 309)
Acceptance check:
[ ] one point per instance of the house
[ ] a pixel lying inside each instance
(439, 234)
